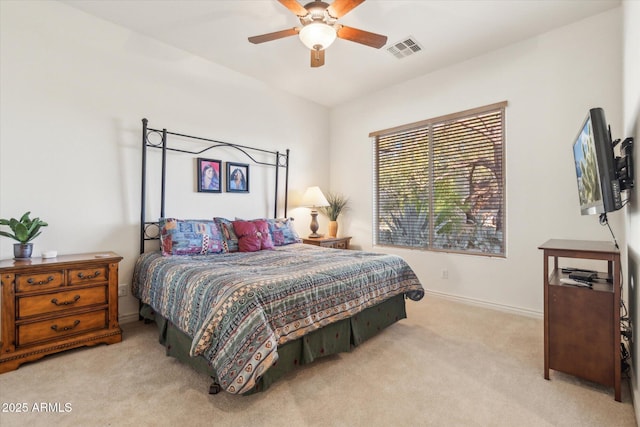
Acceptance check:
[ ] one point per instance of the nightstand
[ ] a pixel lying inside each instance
(55, 304)
(328, 242)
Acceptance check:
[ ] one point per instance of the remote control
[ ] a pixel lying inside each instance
(576, 283)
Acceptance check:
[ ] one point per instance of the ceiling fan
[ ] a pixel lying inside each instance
(320, 28)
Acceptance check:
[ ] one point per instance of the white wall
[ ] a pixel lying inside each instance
(73, 91)
(74, 88)
(550, 82)
(631, 102)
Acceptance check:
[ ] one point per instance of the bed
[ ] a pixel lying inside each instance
(246, 308)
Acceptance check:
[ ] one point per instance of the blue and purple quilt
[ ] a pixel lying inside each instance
(239, 307)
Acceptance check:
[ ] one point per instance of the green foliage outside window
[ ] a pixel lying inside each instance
(441, 187)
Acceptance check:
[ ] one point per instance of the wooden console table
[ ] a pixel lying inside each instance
(582, 324)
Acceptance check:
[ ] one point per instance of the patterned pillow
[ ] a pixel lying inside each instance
(189, 237)
(282, 231)
(253, 235)
(229, 238)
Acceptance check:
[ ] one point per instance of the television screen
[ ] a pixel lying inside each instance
(584, 154)
(595, 164)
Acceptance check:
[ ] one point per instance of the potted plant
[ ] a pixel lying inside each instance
(337, 204)
(24, 231)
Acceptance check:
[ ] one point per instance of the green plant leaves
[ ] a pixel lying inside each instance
(337, 204)
(25, 229)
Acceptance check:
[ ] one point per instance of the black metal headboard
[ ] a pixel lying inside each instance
(149, 230)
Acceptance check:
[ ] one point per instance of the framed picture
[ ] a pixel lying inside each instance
(237, 177)
(209, 176)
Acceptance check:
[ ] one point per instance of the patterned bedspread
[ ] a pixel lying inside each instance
(239, 307)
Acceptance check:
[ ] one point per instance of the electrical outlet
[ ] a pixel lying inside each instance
(445, 274)
(122, 289)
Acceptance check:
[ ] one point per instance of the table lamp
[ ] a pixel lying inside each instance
(313, 198)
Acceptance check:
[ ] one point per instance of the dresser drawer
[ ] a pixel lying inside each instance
(60, 327)
(51, 303)
(329, 242)
(39, 281)
(88, 275)
(337, 245)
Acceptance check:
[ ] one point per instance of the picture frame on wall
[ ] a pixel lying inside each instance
(209, 176)
(237, 177)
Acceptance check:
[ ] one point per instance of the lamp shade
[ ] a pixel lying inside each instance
(314, 198)
(317, 35)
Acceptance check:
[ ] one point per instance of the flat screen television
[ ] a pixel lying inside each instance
(595, 164)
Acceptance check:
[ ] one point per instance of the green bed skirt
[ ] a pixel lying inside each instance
(335, 338)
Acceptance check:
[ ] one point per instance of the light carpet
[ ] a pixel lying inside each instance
(447, 364)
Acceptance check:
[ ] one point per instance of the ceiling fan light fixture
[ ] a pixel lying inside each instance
(317, 35)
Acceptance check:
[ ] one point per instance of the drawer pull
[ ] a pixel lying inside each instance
(41, 282)
(66, 328)
(91, 276)
(75, 300)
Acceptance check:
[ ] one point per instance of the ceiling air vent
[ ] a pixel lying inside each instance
(404, 48)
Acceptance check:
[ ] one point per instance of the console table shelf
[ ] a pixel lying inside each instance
(581, 324)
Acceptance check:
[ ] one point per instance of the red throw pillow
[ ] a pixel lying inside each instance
(253, 235)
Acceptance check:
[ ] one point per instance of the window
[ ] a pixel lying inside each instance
(439, 184)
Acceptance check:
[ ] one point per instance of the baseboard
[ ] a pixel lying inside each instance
(486, 304)
(128, 318)
(133, 317)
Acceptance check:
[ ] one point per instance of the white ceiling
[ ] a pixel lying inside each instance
(449, 32)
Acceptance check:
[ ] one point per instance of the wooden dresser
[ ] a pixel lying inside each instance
(328, 242)
(52, 305)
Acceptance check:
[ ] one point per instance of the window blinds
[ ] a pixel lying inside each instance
(439, 184)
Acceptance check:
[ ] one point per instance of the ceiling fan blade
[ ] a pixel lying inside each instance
(339, 8)
(317, 58)
(361, 36)
(294, 7)
(274, 36)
